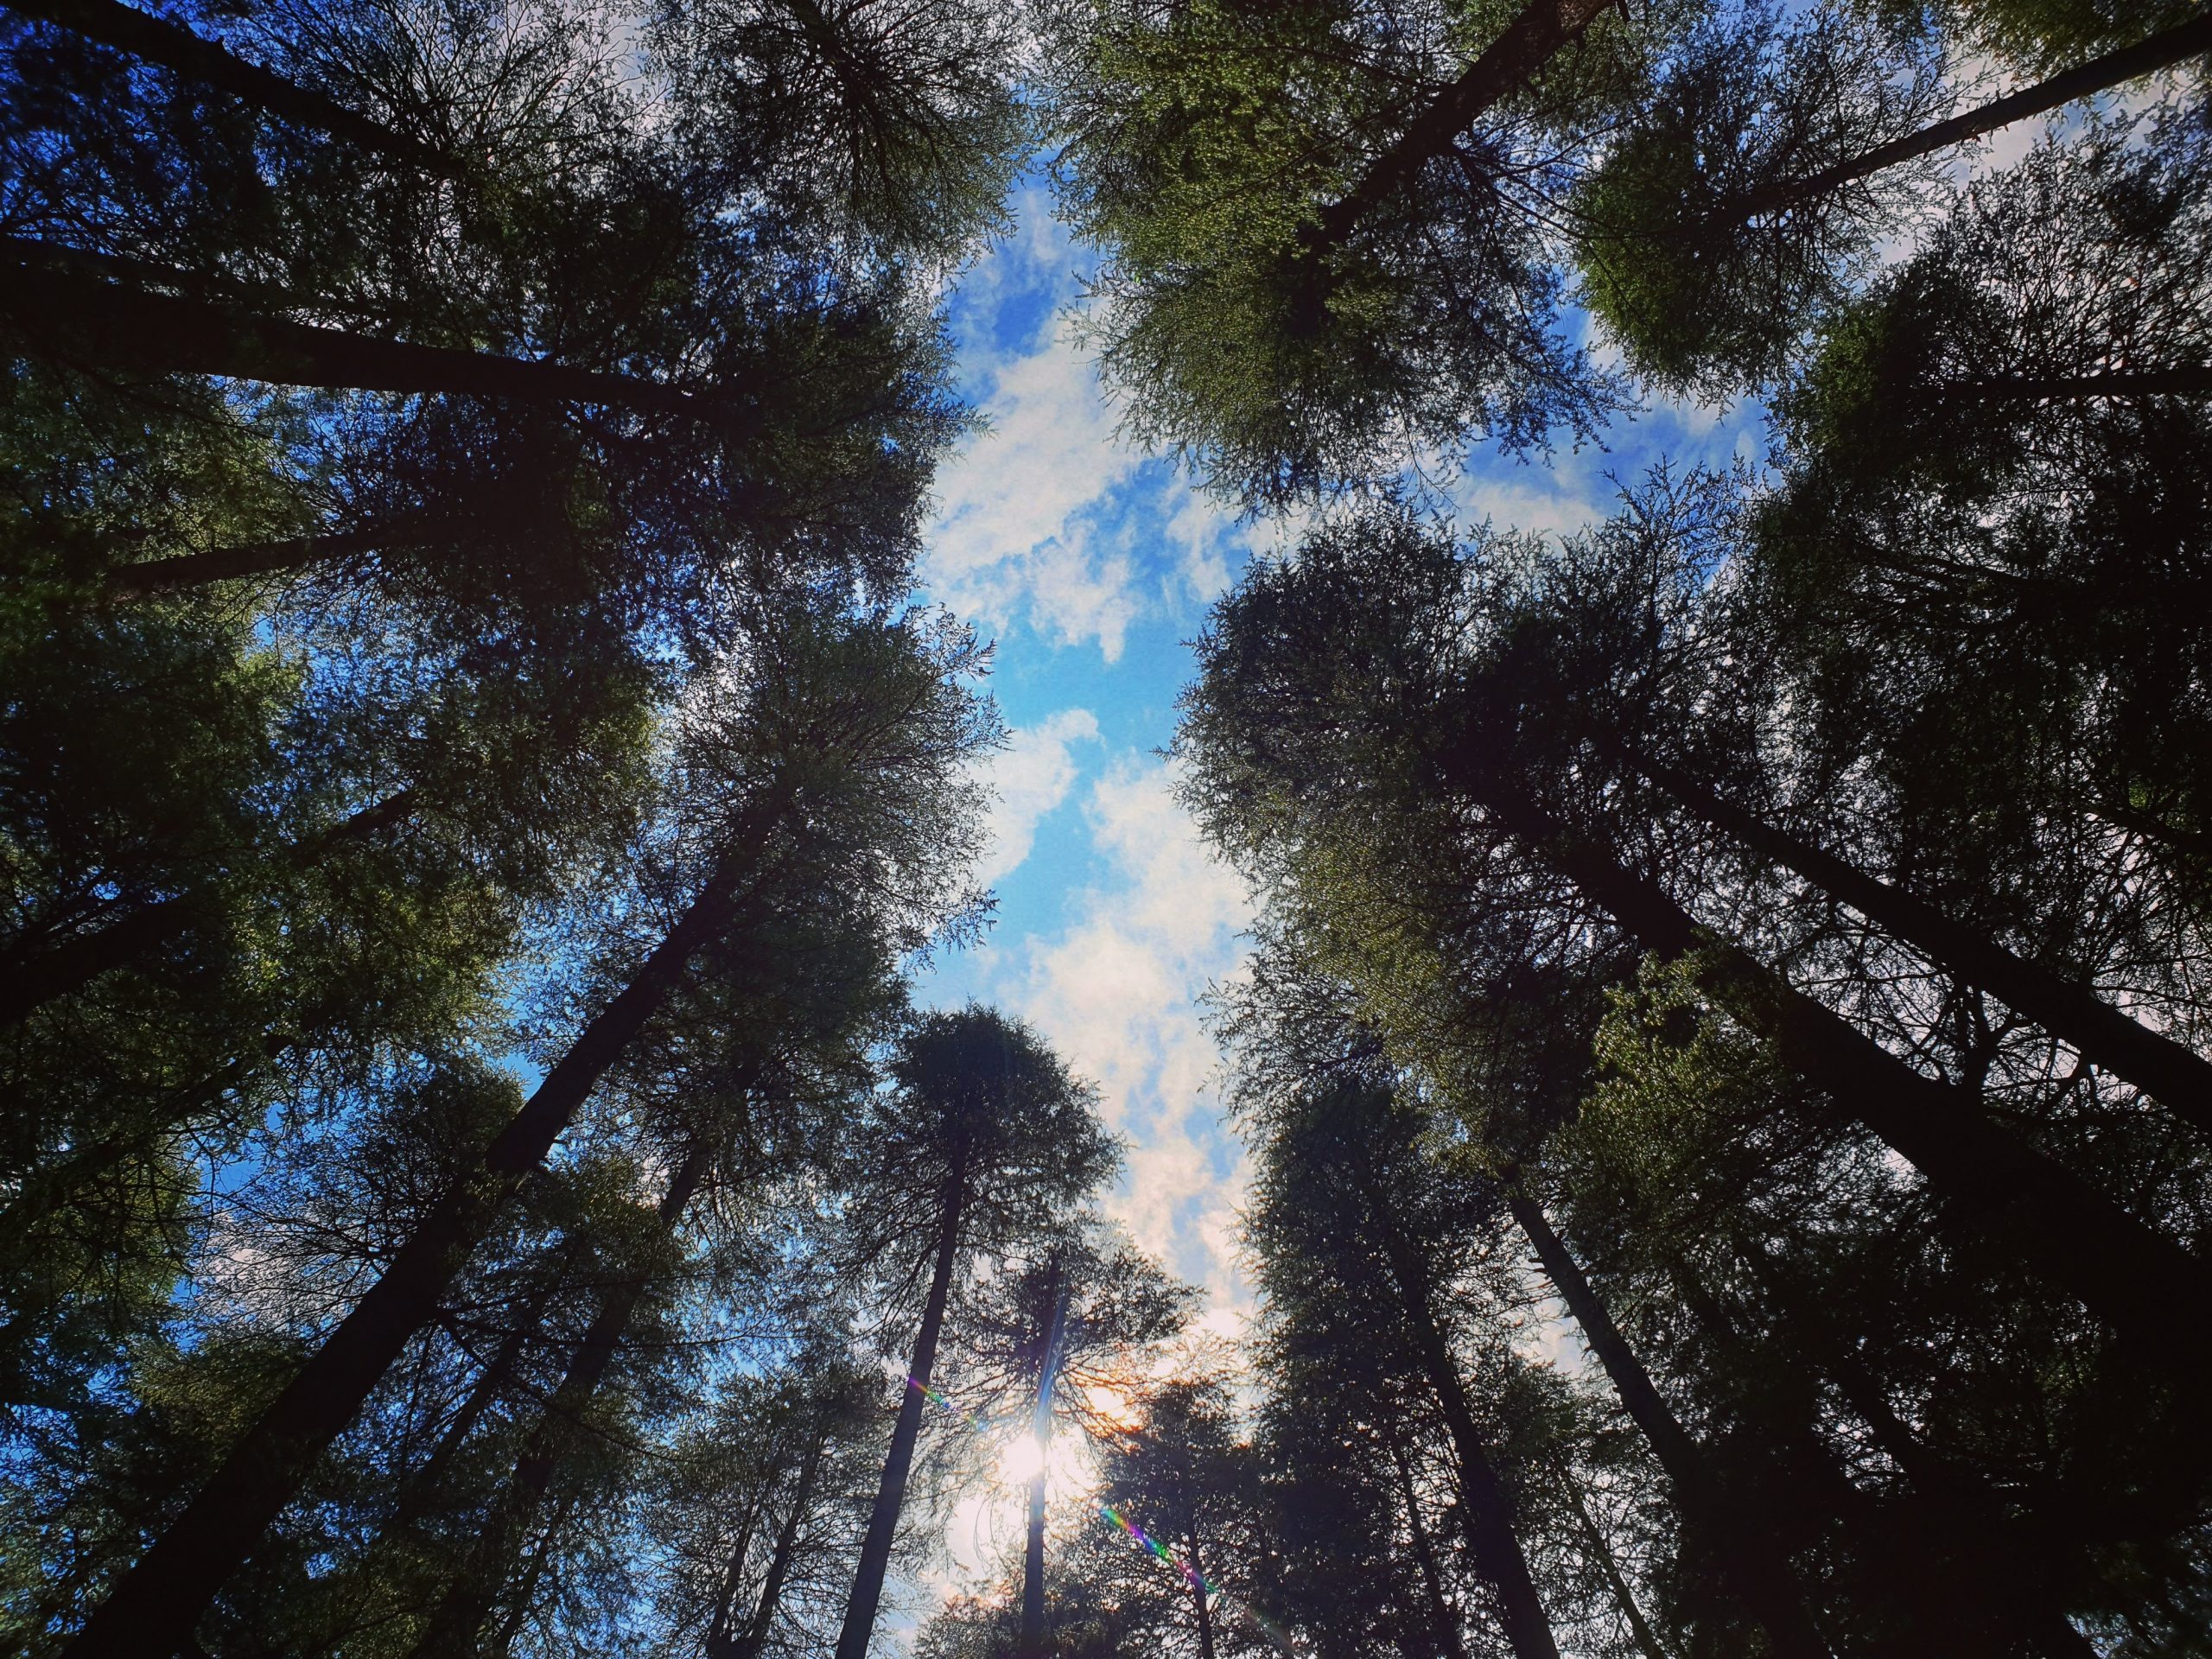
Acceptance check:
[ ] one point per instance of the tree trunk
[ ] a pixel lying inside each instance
(127, 326)
(189, 570)
(453, 1630)
(1196, 1577)
(2191, 380)
(2121, 1269)
(154, 40)
(2115, 69)
(1447, 1622)
(496, 1378)
(1542, 30)
(2154, 1063)
(1485, 1509)
(2014, 1589)
(883, 1520)
(780, 1564)
(27, 983)
(719, 1643)
(53, 1186)
(1647, 1639)
(154, 1606)
(1040, 1431)
(63, 969)
(1757, 1571)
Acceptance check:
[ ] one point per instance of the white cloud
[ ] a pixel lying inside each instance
(1204, 534)
(1013, 538)
(1028, 779)
(1047, 519)
(1115, 992)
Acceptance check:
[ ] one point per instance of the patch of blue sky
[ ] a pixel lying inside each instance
(1091, 565)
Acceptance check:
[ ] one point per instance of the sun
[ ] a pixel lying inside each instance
(1019, 1462)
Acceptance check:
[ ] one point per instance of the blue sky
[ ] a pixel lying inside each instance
(1091, 565)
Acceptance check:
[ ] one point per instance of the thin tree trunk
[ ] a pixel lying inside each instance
(1040, 1431)
(154, 1606)
(1485, 1509)
(1756, 1569)
(1647, 1639)
(1196, 1576)
(453, 1630)
(2190, 381)
(62, 969)
(2115, 69)
(859, 1627)
(157, 41)
(2154, 1063)
(1447, 1621)
(124, 326)
(53, 1186)
(719, 1643)
(780, 1564)
(539, 1557)
(189, 570)
(2121, 1269)
(496, 1378)
(1542, 30)
(27, 983)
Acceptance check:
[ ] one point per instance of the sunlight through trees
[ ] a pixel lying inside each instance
(1724, 1059)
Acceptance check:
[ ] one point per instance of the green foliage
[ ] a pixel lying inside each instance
(1203, 147)
(1706, 289)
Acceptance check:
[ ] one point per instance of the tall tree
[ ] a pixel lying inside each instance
(1749, 194)
(1323, 227)
(1343, 1211)
(1085, 1319)
(1490, 759)
(860, 717)
(984, 1144)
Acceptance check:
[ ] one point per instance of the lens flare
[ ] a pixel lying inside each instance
(1019, 1464)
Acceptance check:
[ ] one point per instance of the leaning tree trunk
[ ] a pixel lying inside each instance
(186, 571)
(1447, 1623)
(154, 1606)
(157, 40)
(2121, 1270)
(1639, 1628)
(779, 1562)
(1485, 1509)
(2154, 1063)
(29, 981)
(49, 302)
(42, 1192)
(719, 1643)
(883, 1520)
(454, 1629)
(2018, 1592)
(1757, 1570)
(1540, 32)
(2161, 51)
(1196, 1577)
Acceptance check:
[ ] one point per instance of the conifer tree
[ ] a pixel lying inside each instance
(985, 1145)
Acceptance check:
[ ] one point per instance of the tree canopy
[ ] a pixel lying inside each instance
(1724, 1056)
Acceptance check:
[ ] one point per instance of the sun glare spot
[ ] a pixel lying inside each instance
(1019, 1462)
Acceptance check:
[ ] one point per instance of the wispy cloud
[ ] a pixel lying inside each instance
(1015, 538)
(1116, 990)
(1028, 779)
(1046, 521)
